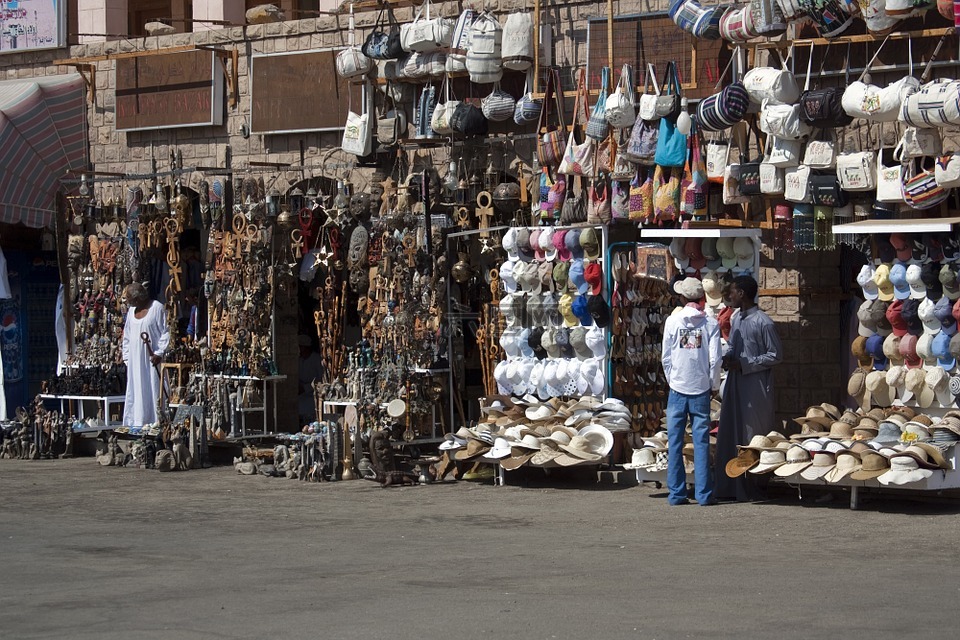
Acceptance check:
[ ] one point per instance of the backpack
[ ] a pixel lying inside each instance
(518, 42)
(483, 56)
(457, 58)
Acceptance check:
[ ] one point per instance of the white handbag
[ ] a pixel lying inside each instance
(717, 154)
(771, 175)
(620, 112)
(821, 152)
(352, 63)
(776, 86)
(857, 171)
(918, 143)
(935, 104)
(796, 184)
(889, 181)
(771, 180)
(357, 133)
(783, 153)
(731, 186)
(947, 171)
(870, 102)
(426, 33)
(647, 105)
(443, 113)
(783, 121)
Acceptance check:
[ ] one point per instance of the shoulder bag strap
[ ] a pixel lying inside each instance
(668, 79)
(806, 81)
(544, 120)
(651, 78)
(558, 97)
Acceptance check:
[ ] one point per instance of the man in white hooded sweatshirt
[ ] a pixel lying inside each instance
(691, 362)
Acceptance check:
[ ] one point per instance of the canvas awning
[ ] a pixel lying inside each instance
(42, 136)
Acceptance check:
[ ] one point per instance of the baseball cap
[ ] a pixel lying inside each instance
(712, 289)
(581, 311)
(694, 251)
(561, 273)
(546, 243)
(908, 349)
(509, 242)
(909, 312)
(576, 276)
(918, 291)
(930, 276)
(931, 324)
(728, 257)
(572, 240)
(943, 310)
(948, 280)
(524, 250)
(898, 278)
(599, 311)
(875, 348)
(941, 351)
(882, 278)
(588, 240)
(709, 250)
(593, 274)
(744, 250)
(867, 283)
(559, 241)
(535, 244)
(902, 246)
(894, 317)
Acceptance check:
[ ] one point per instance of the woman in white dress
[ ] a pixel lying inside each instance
(143, 380)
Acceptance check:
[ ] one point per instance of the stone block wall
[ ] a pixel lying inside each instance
(809, 326)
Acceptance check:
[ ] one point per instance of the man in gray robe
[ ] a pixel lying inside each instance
(748, 402)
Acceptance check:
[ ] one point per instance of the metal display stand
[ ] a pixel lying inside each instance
(104, 403)
(264, 383)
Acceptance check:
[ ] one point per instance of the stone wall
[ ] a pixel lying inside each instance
(809, 326)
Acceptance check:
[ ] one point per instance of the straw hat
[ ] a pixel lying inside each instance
(797, 459)
(847, 463)
(872, 465)
(816, 414)
(745, 460)
(822, 463)
(769, 460)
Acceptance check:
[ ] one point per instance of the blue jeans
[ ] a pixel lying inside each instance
(679, 406)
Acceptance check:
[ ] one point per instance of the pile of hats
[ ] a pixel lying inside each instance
(694, 256)
(652, 456)
(525, 431)
(908, 343)
(894, 446)
(554, 312)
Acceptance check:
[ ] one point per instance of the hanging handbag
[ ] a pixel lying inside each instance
(484, 62)
(499, 105)
(602, 159)
(668, 102)
(717, 154)
(821, 152)
(468, 120)
(619, 200)
(671, 145)
(947, 171)
(724, 109)
(357, 133)
(598, 211)
(426, 33)
(574, 206)
(443, 114)
(889, 181)
(796, 184)
(749, 180)
(518, 43)
(620, 112)
(920, 188)
(423, 115)
(783, 153)
(528, 108)
(737, 25)
(731, 173)
(825, 191)
(460, 42)
(767, 16)
(647, 104)
(623, 167)
(383, 42)
(597, 126)
(934, 104)
(792, 11)
(578, 159)
(829, 16)
(918, 143)
(641, 197)
(552, 141)
(771, 175)
(857, 171)
(666, 197)
(774, 86)
(783, 121)
(391, 125)
(352, 62)
(823, 108)
(870, 102)
(642, 145)
(694, 186)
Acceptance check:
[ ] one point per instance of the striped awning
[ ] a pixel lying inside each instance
(42, 136)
